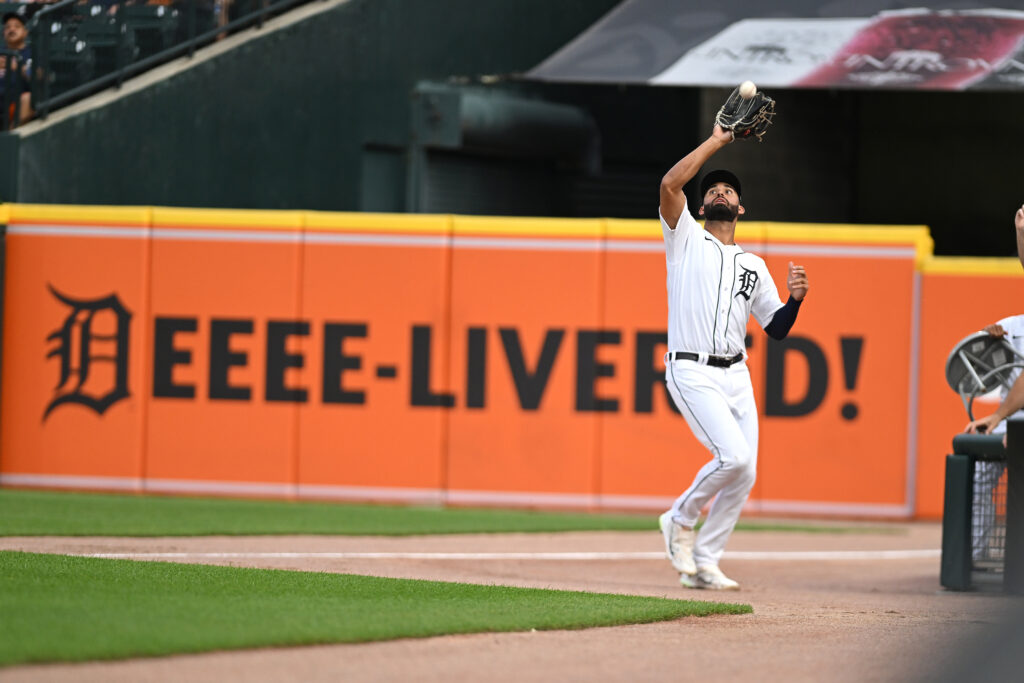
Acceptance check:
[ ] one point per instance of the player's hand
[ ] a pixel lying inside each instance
(796, 282)
(1018, 219)
(723, 136)
(983, 425)
(995, 330)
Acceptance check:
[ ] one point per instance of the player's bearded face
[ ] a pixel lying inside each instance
(718, 208)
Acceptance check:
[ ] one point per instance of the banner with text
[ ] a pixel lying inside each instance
(418, 358)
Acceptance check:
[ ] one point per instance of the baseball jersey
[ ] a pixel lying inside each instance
(713, 288)
(1014, 326)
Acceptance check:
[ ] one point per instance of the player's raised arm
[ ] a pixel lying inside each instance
(673, 201)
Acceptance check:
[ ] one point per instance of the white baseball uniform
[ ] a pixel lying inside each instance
(713, 288)
(987, 474)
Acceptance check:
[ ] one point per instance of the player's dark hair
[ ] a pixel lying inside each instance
(720, 176)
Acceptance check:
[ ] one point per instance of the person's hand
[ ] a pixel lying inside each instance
(1018, 219)
(983, 425)
(724, 136)
(796, 282)
(995, 330)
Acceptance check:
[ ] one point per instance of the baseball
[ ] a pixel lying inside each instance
(747, 89)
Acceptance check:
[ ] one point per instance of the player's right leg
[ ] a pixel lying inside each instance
(728, 504)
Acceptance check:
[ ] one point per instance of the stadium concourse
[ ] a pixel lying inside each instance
(863, 604)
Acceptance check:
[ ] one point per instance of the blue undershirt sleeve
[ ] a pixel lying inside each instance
(783, 320)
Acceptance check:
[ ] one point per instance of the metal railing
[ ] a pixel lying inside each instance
(81, 49)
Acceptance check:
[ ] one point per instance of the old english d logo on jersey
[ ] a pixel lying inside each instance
(94, 333)
(748, 280)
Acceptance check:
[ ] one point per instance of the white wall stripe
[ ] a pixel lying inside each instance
(371, 493)
(458, 242)
(219, 487)
(227, 235)
(897, 252)
(520, 498)
(72, 482)
(758, 555)
(528, 243)
(78, 231)
(635, 246)
(383, 240)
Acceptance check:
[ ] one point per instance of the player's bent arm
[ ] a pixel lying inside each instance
(1013, 402)
(783, 319)
(782, 322)
(673, 200)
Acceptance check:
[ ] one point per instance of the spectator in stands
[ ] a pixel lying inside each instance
(1018, 221)
(104, 6)
(20, 65)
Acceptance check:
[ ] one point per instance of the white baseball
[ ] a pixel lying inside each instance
(747, 89)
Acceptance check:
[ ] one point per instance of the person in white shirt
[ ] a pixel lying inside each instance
(713, 288)
(986, 472)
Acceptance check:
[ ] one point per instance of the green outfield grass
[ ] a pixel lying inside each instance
(64, 608)
(44, 513)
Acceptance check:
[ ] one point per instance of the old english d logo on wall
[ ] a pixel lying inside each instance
(92, 347)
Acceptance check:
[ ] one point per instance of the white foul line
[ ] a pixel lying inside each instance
(576, 556)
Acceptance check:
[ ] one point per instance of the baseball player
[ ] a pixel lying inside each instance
(987, 473)
(713, 287)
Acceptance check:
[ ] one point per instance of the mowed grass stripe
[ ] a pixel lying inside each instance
(48, 513)
(45, 513)
(65, 608)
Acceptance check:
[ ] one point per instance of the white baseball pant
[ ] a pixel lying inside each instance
(718, 404)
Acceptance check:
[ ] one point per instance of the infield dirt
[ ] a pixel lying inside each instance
(821, 618)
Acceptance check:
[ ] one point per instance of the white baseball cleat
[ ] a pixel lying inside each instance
(678, 544)
(711, 577)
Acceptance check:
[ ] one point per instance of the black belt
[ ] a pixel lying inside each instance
(713, 361)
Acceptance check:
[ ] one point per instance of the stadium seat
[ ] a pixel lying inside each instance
(152, 26)
(71, 62)
(110, 41)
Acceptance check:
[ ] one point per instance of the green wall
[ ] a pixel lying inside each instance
(282, 120)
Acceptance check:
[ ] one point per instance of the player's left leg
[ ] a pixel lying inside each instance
(702, 396)
(725, 509)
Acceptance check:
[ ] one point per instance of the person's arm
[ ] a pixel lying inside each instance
(783, 319)
(673, 200)
(1013, 402)
(994, 330)
(1018, 221)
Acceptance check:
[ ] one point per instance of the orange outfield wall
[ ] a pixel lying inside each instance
(469, 360)
(959, 296)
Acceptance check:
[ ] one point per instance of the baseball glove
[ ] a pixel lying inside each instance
(746, 118)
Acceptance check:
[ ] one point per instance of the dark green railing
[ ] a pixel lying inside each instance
(81, 49)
